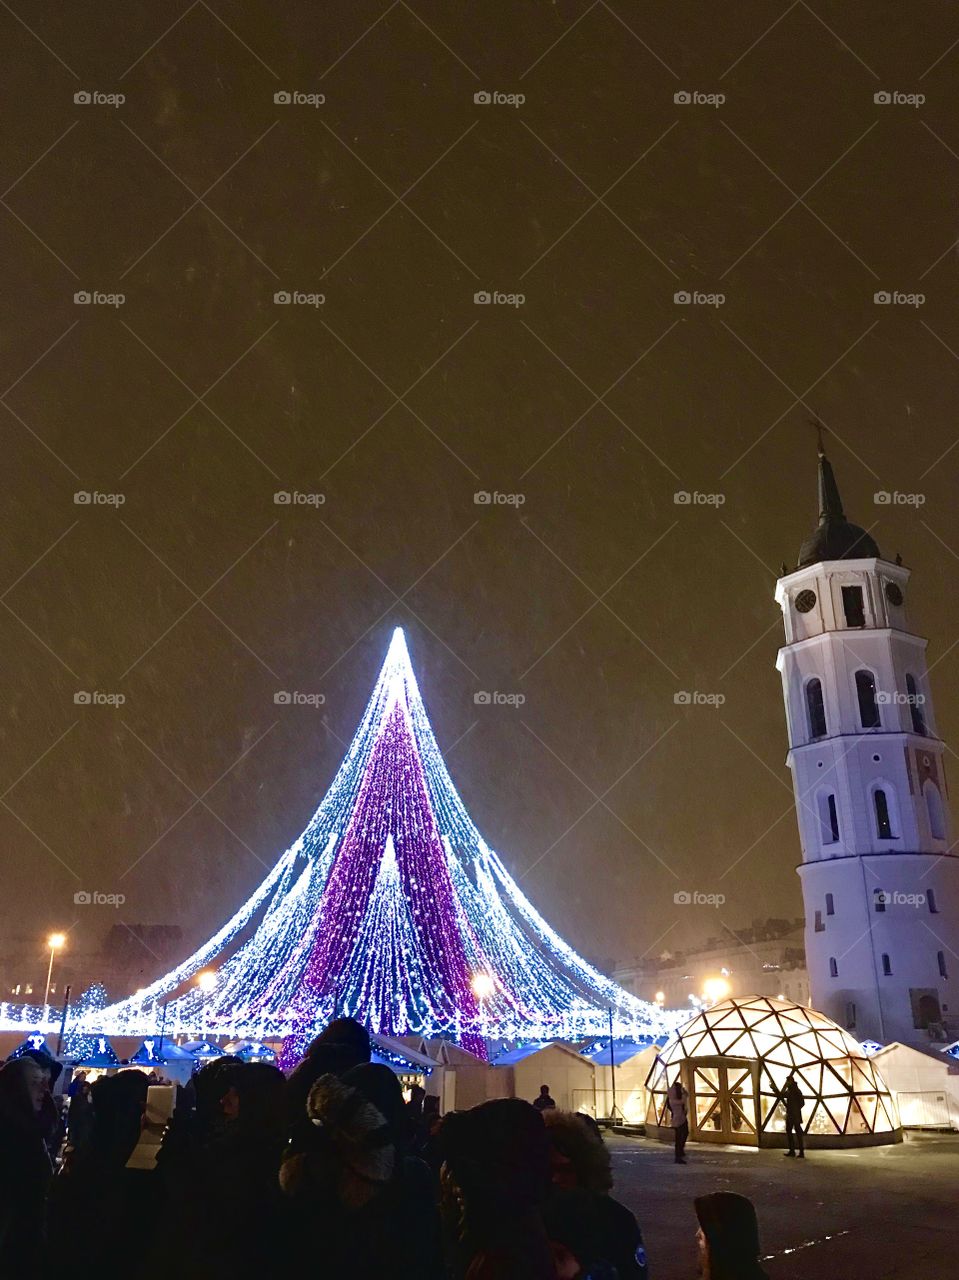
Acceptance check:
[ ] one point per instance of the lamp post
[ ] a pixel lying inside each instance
(54, 942)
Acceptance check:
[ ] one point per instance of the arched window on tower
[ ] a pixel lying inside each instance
(883, 821)
(915, 706)
(828, 818)
(868, 706)
(815, 709)
(937, 824)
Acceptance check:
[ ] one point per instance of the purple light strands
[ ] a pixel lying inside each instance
(390, 908)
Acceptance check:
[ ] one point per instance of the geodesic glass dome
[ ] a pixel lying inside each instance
(735, 1058)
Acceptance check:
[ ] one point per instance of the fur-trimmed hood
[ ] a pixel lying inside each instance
(353, 1147)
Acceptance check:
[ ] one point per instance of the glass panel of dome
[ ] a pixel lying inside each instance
(765, 1045)
(838, 1108)
(868, 1102)
(863, 1077)
(832, 1045)
(842, 1067)
(856, 1123)
(692, 1045)
(822, 1121)
(726, 1039)
(809, 1078)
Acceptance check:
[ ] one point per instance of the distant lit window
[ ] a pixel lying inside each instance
(815, 709)
(937, 826)
(883, 825)
(868, 706)
(915, 706)
(828, 819)
(852, 607)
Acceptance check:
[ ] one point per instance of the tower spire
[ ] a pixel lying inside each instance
(830, 503)
(835, 537)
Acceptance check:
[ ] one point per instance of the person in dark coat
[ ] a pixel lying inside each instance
(728, 1237)
(794, 1102)
(580, 1212)
(345, 1043)
(353, 1192)
(25, 1167)
(51, 1118)
(97, 1204)
(678, 1102)
(495, 1183)
(544, 1102)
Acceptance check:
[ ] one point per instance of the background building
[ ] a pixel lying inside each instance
(766, 959)
(880, 881)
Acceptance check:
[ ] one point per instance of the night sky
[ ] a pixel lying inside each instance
(599, 597)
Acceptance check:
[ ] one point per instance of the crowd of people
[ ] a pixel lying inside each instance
(330, 1168)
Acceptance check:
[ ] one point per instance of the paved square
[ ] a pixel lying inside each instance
(881, 1212)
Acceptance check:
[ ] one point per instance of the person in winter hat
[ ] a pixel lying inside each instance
(728, 1237)
(351, 1187)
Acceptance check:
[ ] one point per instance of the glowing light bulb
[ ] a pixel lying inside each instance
(56, 941)
(206, 980)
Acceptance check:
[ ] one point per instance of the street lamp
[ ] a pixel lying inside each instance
(206, 980)
(54, 942)
(660, 998)
(715, 989)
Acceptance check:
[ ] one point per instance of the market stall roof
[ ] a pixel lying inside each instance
(510, 1057)
(597, 1051)
(102, 1055)
(35, 1042)
(152, 1053)
(398, 1056)
(202, 1048)
(250, 1051)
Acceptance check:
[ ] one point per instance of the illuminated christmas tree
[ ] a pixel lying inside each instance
(390, 908)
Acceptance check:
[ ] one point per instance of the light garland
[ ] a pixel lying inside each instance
(386, 909)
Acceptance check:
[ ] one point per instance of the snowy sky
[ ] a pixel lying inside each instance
(585, 587)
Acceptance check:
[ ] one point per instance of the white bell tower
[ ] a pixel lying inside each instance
(879, 878)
